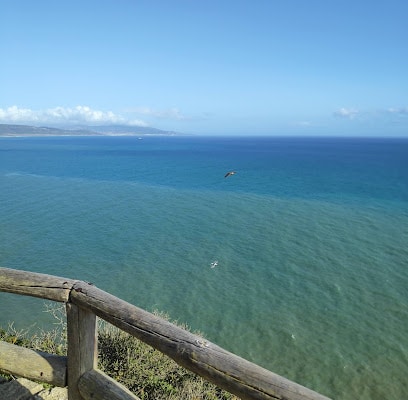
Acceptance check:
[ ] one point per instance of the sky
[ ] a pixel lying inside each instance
(255, 67)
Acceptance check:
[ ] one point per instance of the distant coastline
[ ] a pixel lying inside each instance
(9, 130)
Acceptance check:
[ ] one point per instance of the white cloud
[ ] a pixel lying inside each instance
(303, 123)
(170, 113)
(64, 115)
(15, 114)
(400, 110)
(371, 115)
(349, 113)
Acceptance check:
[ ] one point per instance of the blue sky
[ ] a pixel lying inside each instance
(261, 67)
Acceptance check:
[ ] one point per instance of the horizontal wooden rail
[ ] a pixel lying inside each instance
(226, 370)
(95, 385)
(33, 364)
(36, 285)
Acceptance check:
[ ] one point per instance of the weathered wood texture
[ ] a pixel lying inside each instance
(95, 385)
(19, 389)
(36, 285)
(228, 371)
(82, 346)
(84, 301)
(33, 364)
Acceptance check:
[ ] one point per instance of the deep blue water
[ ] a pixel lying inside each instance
(310, 236)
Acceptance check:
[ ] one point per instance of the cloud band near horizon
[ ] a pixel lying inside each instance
(65, 115)
(85, 115)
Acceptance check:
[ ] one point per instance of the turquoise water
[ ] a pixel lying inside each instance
(310, 236)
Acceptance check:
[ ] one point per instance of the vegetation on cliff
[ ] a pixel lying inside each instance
(145, 371)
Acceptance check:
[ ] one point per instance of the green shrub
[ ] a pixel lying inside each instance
(145, 371)
(149, 373)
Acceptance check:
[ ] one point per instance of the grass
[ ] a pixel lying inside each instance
(143, 370)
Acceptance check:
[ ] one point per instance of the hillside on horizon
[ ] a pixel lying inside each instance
(83, 130)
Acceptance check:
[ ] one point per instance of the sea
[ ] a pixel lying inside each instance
(297, 262)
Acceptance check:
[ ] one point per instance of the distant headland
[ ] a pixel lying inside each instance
(105, 130)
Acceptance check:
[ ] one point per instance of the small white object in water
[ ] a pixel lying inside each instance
(214, 264)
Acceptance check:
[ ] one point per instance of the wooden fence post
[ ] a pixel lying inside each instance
(82, 346)
(84, 302)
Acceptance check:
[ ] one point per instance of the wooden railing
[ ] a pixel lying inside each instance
(79, 370)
